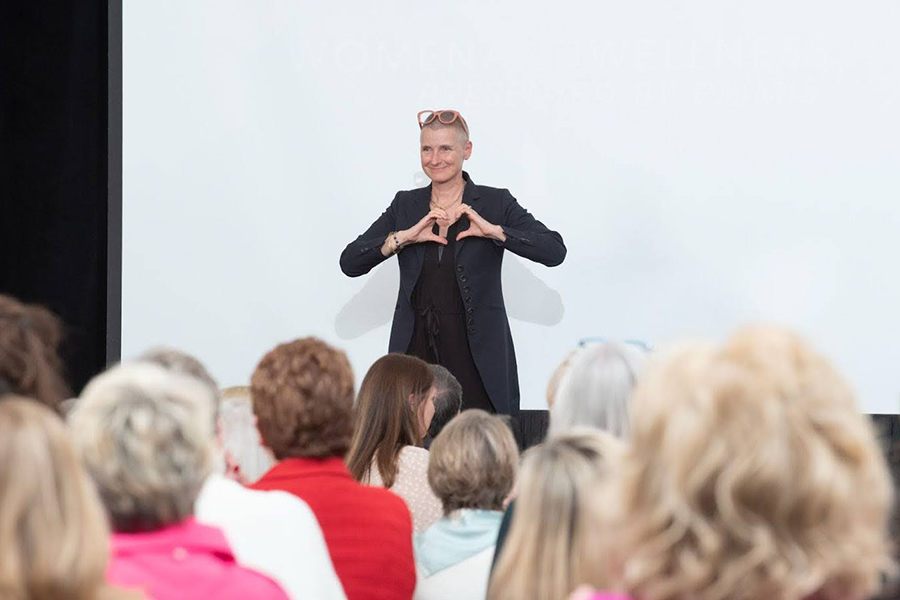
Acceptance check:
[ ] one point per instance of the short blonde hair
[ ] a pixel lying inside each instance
(53, 533)
(542, 557)
(146, 436)
(473, 462)
(751, 474)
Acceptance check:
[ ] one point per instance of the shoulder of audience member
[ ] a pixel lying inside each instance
(252, 584)
(277, 504)
(382, 499)
(414, 455)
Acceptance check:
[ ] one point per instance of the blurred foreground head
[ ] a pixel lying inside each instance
(29, 362)
(750, 473)
(53, 533)
(542, 558)
(147, 437)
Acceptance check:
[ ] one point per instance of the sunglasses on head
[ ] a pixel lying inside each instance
(445, 117)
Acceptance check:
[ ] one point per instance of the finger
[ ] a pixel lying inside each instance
(472, 214)
(467, 233)
(438, 239)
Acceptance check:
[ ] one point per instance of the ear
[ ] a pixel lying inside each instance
(468, 151)
(233, 469)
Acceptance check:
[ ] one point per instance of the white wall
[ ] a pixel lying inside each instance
(708, 164)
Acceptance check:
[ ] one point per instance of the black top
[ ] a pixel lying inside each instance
(503, 533)
(439, 333)
(478, 281)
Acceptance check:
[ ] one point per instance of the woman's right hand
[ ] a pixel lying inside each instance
(422, 231)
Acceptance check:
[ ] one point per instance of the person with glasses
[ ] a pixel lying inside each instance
(449, 238)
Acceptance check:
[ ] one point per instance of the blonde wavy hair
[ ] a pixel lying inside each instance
(53, 533)
(542, 558)
(750, 474)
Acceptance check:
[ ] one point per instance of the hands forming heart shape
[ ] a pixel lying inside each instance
(478, 226)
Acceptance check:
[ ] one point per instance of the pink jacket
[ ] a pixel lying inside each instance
(187, 561)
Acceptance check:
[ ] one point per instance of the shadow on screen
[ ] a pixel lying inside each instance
(527, 297)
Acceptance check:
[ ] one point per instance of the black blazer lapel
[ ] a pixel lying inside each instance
(423, 200)
(471, 194)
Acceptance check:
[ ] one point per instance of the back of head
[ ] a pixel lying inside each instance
(540, 557)
(302, 394)
(385, 419)
(473, 462)
(53, 535)
(447, 399)
(596, 388)
(180, 362)
(751, 474)
(147, 438)
(240, 437)
(29, 343)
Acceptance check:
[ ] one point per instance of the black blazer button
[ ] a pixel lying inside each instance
(459, 267)
(463, 278)
(471, 330)
(471, 310)
(471, 321)
(466, 289)
(469, 299)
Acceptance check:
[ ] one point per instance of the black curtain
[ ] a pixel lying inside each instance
(53, 168)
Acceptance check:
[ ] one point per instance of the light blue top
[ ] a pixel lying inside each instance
(456, 537)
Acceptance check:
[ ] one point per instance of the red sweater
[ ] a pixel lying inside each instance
(368, 530)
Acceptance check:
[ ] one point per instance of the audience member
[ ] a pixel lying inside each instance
(246, 458)
(594, 386)
(29, 361)
(54, 541)
(540, 558)
(447, 401)
(275, 532)
(472, 469)
(393, 412)
(147, 438)
(303, 398)
(750, 474)
(555, 379)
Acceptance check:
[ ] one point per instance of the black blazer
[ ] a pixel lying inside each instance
(478, 262)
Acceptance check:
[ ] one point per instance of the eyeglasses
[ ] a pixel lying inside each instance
(640, 345)
(446, 117)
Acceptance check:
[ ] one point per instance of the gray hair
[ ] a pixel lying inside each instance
(182, 363)
(596, 390)
(447, 399)
(146, 436)
(239, 434)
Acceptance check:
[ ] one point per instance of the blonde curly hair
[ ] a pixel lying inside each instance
(750, 474)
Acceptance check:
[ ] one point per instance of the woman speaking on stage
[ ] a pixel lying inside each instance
(449, 238)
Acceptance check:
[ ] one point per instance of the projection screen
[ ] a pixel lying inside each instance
(708, 164)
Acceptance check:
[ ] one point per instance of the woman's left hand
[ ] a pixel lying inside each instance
(478, 227)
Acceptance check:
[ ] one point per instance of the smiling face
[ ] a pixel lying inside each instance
(443, 150)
